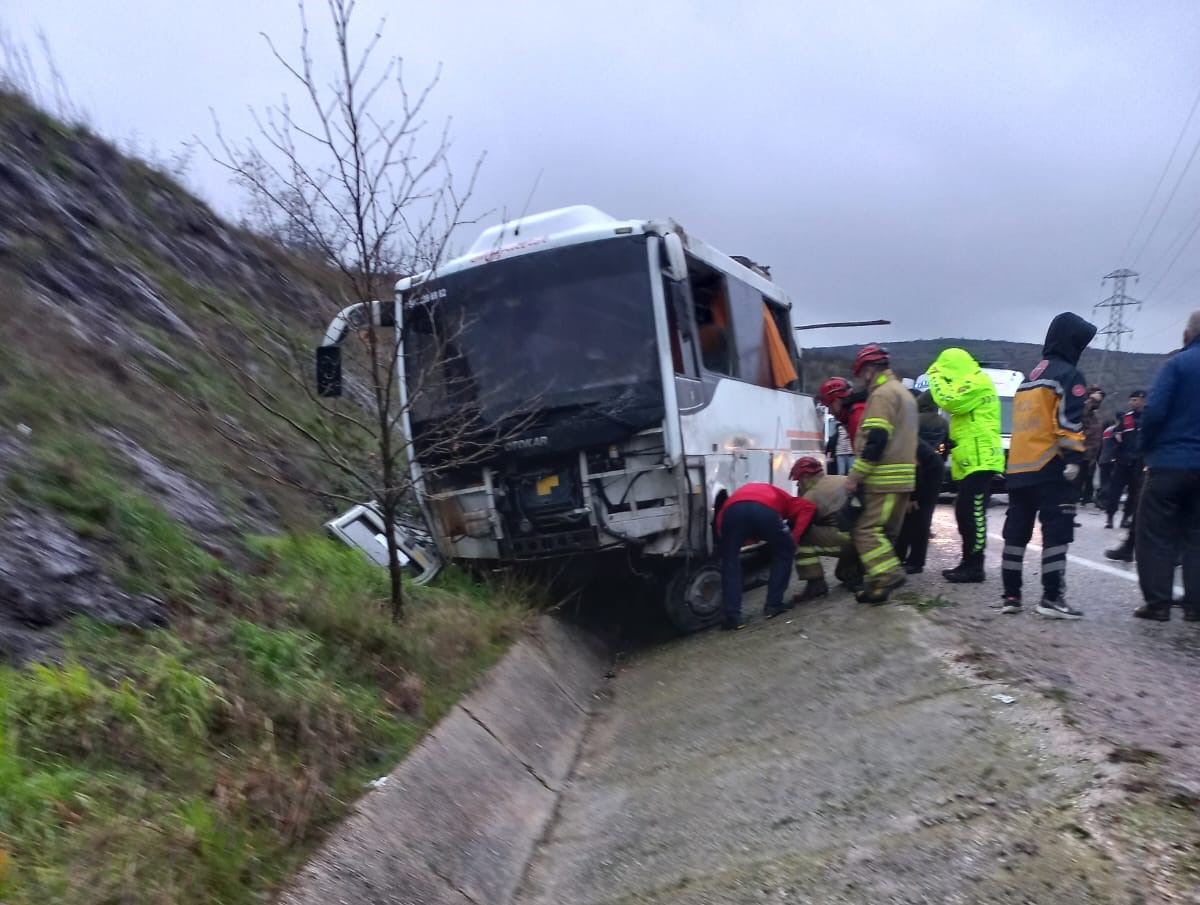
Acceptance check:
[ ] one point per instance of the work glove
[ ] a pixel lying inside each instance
(1071, 472)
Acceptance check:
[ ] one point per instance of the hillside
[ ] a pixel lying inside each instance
(198, 682)
(1117, 372)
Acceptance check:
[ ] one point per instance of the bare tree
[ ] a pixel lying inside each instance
(355, 178)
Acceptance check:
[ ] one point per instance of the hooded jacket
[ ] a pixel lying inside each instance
(960, 387)
(1048, 408)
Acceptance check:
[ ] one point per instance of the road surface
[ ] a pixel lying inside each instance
(930, 750)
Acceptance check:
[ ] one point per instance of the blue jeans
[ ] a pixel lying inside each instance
(744, 521)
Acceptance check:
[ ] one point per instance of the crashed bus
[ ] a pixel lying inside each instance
(608, 379)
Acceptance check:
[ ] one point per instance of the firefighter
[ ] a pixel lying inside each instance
(1043, 464)
(844, 403)
(885, 450)
(822, 537)
(960, 387)
(775, 517)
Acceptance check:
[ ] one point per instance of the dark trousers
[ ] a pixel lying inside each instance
(913, 543)
(1168, 525)
(1053, 502)
(1106, 470)
(1124, 475)
(742, 522)
(1087, 481)
(970, 510)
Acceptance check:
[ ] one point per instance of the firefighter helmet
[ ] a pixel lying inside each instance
(869, 355)
(804, 467)
(833, 388)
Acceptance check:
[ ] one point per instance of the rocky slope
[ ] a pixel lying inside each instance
(111, 368)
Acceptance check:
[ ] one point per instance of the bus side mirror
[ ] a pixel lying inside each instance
(329, 371)
(676, 264)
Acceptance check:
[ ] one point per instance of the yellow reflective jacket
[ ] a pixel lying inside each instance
(959, 386)
(1048, 408)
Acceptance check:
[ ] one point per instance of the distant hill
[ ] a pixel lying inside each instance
(1118, 372)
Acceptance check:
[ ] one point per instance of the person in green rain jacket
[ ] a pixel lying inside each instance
(968, 396)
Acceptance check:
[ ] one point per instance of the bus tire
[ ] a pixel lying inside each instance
(692, 597)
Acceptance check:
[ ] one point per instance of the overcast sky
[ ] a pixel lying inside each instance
(962, 168)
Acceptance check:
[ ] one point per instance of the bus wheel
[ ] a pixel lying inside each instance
(693, 597)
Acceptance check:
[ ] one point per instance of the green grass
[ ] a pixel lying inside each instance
(201, 763)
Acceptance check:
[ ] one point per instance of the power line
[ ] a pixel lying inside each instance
(1185, 231)
(1167, 203)
(1161, 176)
(1174, 260)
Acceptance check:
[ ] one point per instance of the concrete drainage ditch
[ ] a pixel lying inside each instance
(458, 820)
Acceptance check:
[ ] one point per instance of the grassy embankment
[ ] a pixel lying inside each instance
(200, 762)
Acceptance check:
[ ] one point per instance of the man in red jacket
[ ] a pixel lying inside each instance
(759, 512)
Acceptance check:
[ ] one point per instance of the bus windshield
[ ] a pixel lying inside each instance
(570, 328)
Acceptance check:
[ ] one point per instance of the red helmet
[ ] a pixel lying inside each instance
(804, 467)
(869, 355)
(834, 388)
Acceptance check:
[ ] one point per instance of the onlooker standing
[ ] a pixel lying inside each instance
(932, 430)
(885, 450)
(844, 451)
(1168, 521)
(961, 388)
(1044, 463)
(1093, 437)
(1107, 460)
(1127, 469)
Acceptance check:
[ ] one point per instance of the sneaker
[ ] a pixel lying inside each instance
(777, 610)
(1011, 605)
(1123, 553)
(733, 626)
(1154, 613)
(1058, 609)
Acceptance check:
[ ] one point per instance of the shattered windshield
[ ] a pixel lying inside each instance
(569, 328)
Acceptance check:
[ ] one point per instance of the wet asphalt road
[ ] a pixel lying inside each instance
(1124, 680)
(859, 754)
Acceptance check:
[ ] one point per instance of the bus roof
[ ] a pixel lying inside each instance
(578, 224)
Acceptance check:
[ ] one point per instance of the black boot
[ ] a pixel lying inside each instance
(970, 570)
(1122, 553)
(816, 587)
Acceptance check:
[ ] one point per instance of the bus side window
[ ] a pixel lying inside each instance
(713, 324)
(753, 363)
